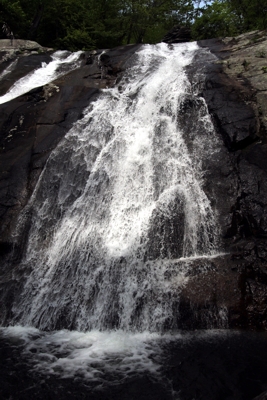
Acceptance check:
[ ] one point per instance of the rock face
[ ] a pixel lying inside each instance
(33, 124)
(19, 47)
(178, 34)
(233, 288)
(235, 90)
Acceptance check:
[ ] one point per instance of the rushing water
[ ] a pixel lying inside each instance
(119, 214)
(62, 62)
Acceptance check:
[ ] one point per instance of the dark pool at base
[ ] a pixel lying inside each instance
(216, 367)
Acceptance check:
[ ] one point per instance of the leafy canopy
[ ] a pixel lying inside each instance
(230, 17)
(76, 24)
(87, 24)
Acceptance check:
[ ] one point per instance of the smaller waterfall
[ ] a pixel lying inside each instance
(120, 209)
(62, 62)
(9, 69)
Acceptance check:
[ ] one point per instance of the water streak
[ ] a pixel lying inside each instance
(62, 61)
(9, 69)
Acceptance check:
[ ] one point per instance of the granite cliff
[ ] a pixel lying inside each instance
(234, 88)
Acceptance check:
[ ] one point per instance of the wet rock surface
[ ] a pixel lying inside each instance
(22, 66)
(232, 290)
(229, 291)
(32, 125)
(236, 95)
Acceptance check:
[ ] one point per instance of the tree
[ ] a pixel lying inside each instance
(147, 21)
(62, 24)
(216, 20)
(34, 11)
(13, 14)
(107, 23)
(229, 18)
(77, 24)
(252, 14)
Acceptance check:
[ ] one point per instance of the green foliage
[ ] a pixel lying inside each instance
(148, 21)
(230, 17)
(252, 13)
(75, 39)
(87, 24)
(216, 21)
(246, 64)
(76, 24)
(260, 54)
(13, 14)
(63, 25)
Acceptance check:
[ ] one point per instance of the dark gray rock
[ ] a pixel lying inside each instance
(233, 105)
(33, 124)
(24, 65)
(178, 34)
(229, 290)
(262, 396)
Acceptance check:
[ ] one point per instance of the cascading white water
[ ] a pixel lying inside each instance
(62, 61)
(120, 210)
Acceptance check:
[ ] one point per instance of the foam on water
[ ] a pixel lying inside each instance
(98, 356)
(90, 354)
(62, 61)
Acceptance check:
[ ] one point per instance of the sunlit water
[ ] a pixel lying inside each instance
(62, 61)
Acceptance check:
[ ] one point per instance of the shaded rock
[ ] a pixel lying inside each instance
(9, 52)
(232, 93)
(178, 34)
(22, 65)
(262, 396)
(227, 291)
(32, 125)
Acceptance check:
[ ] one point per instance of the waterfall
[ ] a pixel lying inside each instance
(118, 251)
(9, 69)
(120, 213)
(62, 62)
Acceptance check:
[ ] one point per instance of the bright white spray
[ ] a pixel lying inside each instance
(62, 61)
(120, 210)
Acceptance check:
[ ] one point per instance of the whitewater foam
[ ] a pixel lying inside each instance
(62, 62)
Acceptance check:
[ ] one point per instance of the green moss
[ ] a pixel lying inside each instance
(246, 64)
(260, 54)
